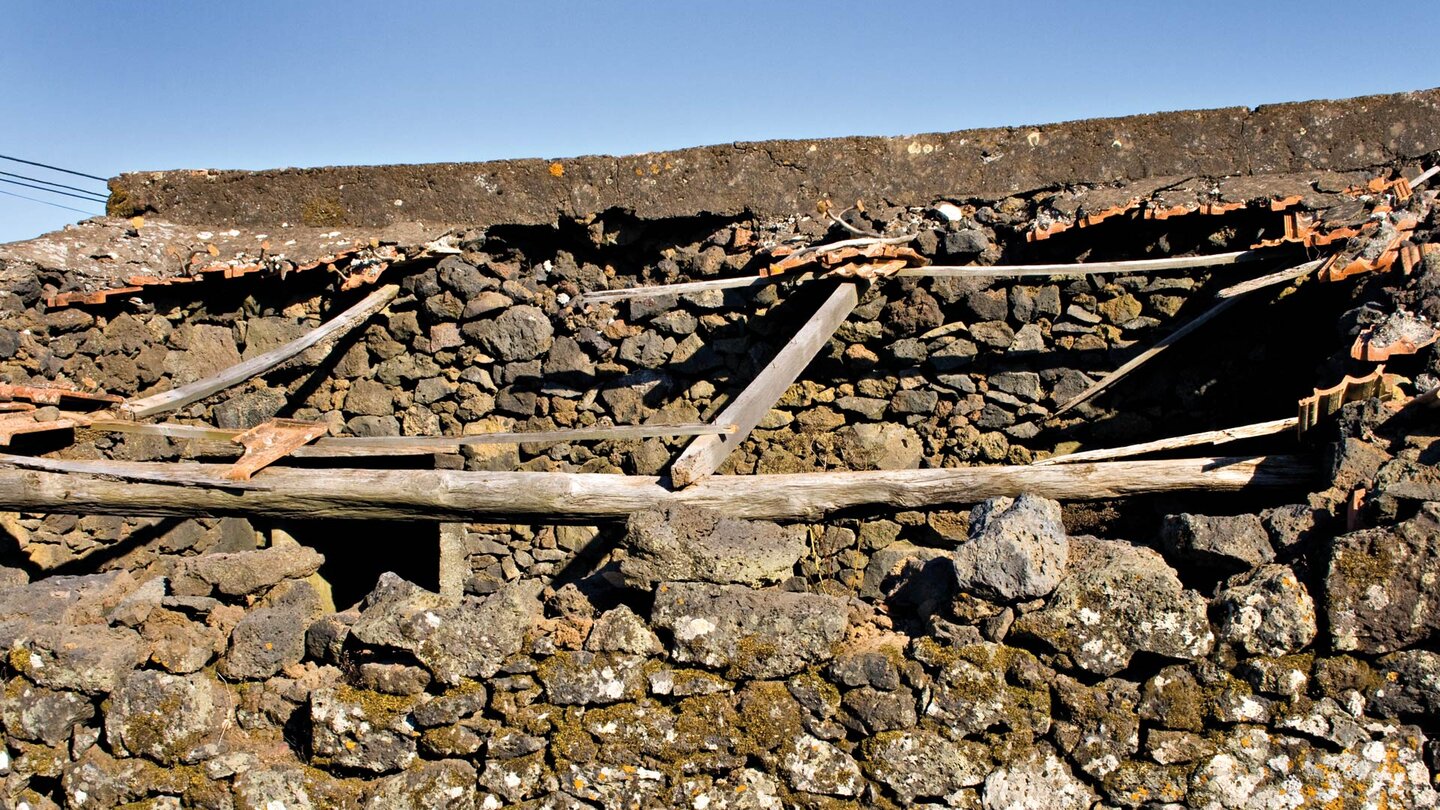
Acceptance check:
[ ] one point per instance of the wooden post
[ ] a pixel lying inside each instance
(705, 454)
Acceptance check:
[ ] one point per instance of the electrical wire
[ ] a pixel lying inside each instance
(51, 190)
(57, 185)
(54, 168)
(47, 202)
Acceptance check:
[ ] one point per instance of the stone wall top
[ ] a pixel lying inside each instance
(777, 178)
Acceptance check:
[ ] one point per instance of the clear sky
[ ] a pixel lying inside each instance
(107, 87)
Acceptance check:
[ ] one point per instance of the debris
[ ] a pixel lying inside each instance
(1401, 332)
(270, 441)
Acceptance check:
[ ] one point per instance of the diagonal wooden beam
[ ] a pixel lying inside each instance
(1209, 437)
(261, 363)
(706, 453)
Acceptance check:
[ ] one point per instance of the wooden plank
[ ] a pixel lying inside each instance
(705, 454)
(271, 441)
(172, 476)
(261, 363)
(1210, 437)
(1223, 305)
(596, 433)
(458, 495)
(964, 271)
(1088, 268)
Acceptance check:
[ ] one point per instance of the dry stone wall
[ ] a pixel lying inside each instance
(1247, 651)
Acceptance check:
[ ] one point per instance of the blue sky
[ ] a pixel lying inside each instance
(107, 87)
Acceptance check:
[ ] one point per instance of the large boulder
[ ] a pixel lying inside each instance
(172, 719)
(1380, 586)
(468, 640)
(519, 333)
(1265, 612)
(754, 634)
(1117, 600)
(922, 764)
(1017, 549)
(688, 543)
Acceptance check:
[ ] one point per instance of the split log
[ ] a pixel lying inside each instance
(705, 454)
(1210, 437)
(456, 495)
(261, 363)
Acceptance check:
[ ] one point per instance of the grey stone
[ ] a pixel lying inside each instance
(873, 446)
(469, 640)
(868, 407)
(245, 572)
(620, 630)
(1409, 684)
(172, 719)
(451, 707)
(1379, 587)
(586, 678)
(249, 409)
(211, 350)
(567, 357)
(1022, 384)
(1265, 612)
(89, 658)
(1036, 780)
(263, 643)
(367, 731)
(967, 241)
(1117, 600)
(1229, 543)
(815, 766)
(519, 333)
(956, 354)
(915, 401)
(921, 764)
(448, 784)
(1017, 549)
(35, 713)
(880, 710)
(995, 334)
(688, 543)
(756, 634)
(369, 398)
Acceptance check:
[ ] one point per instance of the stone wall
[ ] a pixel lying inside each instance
(1247, 650)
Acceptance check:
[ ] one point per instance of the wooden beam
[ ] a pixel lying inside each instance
(169, 475)
(1088, 268)
(457, 495)
(705, 454)
(1210, 437)
(261, 363)
(1222, 305)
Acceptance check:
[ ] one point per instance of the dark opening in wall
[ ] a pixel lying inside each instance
(357, 552)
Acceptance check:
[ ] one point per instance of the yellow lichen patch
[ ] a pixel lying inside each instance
(557, 170)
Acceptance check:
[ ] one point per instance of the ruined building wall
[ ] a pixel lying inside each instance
(1202, 651)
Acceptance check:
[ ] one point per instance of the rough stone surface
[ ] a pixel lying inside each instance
(1017, 549)
(469, 640)
(1379, 585)
(1115, 601)
(172, 719)
(758, 634)
(1265, 612)
(246, 572)
(686, 543)
(1229, 543)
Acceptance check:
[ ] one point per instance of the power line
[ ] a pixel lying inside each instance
(54, 168)
(47, 202)
(51, 190)
(57, 185)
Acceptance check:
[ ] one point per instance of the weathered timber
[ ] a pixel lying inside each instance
(1210, 437)
(261, 363)
(168, 475)
(960, 271)
(1225, 302)
(455, 495)
(705, 454)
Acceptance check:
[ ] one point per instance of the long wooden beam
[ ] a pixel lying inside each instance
(706, 453)
(1210, 437)
(457, 495)
(261, 363)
